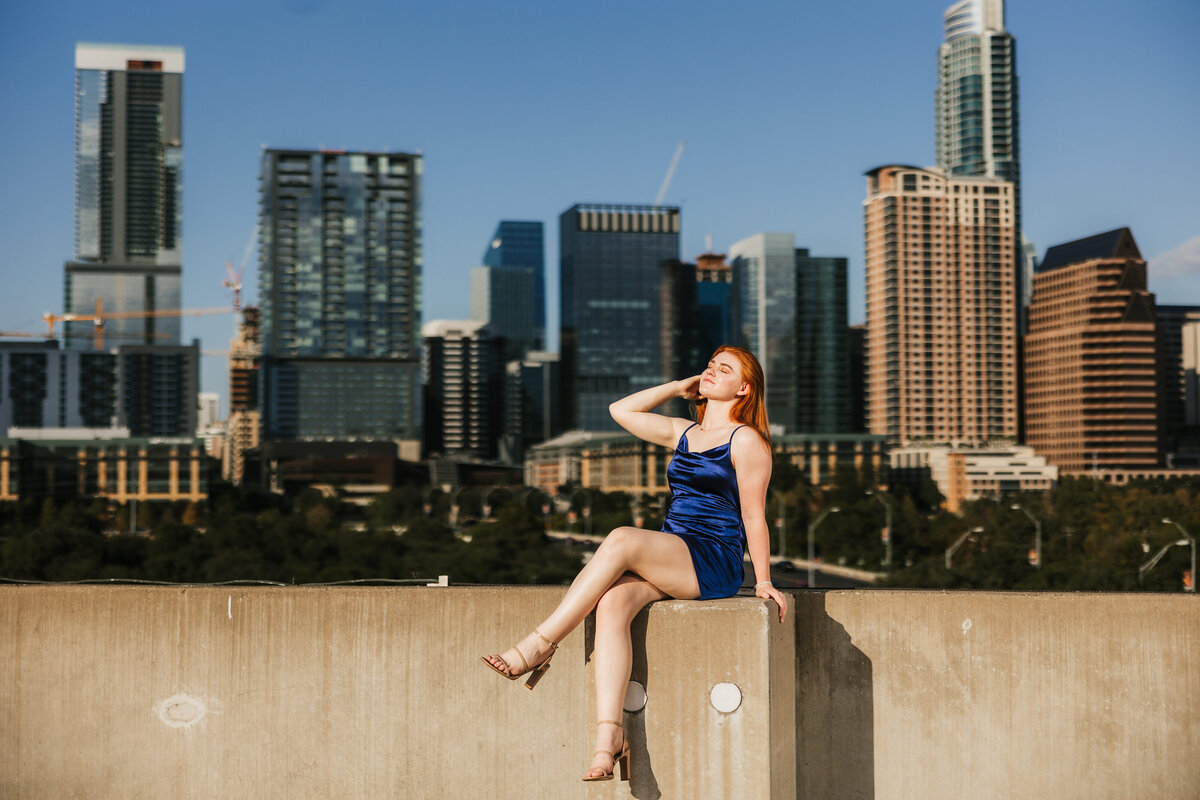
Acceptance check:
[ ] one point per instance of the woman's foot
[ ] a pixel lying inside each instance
(611, 748)
(532, 653)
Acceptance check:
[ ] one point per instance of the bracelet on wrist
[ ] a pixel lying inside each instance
(763, 583)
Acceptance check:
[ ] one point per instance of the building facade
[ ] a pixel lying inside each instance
(1091, 394)
(1190, 335)
(81, 462)
(823, 403)
(463, 378)
(1179, 429)
(157, 388)
(128, 192)
(519, 246)
(339, 287)
(976, 110)
(941, 339)
(502, 299)
(243, 429)
(963, 474)
(789, 308)
(819, 456)
(714, 297)
(764, 316)
(532, 404)
(150, 390)
(611, 259)
(624, 463)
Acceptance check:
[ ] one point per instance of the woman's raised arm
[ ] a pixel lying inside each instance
(635, 414)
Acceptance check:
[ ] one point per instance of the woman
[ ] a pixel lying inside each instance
(718, 479)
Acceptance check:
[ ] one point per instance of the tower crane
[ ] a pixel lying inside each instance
(100, 316)
(662, 190)
(233, 281)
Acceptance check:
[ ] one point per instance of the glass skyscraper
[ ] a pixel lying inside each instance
(339, 288)
(977, 119)
(502, 299)
(764, 311)
(611, 269)
(790, 310)
(517, 246)
(823, 359)
(128, 191)
(976, 99)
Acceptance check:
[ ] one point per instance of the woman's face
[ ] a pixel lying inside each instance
(722, 379)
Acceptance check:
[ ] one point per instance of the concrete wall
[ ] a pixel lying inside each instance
(200, 692)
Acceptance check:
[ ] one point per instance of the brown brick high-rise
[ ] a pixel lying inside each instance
(1090, 389)
(941, 352)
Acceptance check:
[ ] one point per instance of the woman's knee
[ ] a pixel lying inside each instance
(620, 603)
(621, 541)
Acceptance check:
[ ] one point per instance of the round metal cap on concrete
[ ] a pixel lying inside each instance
(725, 697)
(635, 697)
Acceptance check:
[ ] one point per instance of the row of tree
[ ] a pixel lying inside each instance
(1092, 536)
(242, 536)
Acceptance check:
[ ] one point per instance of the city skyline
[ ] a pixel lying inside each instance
(592, 107)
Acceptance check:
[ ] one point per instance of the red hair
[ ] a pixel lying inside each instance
(751, 408)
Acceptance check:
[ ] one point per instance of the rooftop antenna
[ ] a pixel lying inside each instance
(662, 190)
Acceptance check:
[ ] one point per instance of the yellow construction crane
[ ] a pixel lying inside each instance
(100, 316)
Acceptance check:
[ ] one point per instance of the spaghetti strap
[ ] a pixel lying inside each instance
(683, 436)
(735, 430)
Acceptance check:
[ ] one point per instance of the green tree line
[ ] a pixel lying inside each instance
(1093, 536)
(243, 536)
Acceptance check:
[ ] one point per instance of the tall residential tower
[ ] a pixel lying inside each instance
(339, 289)
(128, 179)
(977, 119)
(941, 340)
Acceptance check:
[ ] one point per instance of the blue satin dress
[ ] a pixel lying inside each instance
(706, 512)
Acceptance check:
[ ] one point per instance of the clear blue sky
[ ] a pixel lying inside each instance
(525, 108)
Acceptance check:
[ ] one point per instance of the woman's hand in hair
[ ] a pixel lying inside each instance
(689, 388)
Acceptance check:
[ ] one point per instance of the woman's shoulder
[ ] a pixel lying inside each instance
(747, 442)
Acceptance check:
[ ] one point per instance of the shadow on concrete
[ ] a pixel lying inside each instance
(642, 784)
(835, 744)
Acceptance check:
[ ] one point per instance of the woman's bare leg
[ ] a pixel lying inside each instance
(613, 660)
(661, 559)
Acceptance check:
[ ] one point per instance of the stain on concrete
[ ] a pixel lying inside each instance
(181, 711)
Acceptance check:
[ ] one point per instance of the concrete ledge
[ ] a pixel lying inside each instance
(200, 692)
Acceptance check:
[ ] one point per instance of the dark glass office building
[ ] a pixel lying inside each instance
(128, 192)
(611, 271)
(823, 358)
(339, 288)
(790, 309)
(764, 316)
(502, 299)
(518, 245)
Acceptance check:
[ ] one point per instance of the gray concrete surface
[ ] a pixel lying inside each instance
(202, 692)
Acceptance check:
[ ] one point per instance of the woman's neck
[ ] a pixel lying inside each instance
(717, 415)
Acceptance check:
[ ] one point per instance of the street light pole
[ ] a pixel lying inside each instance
(812, 530)
(959, 543)
(887, 514)
(781, 521)
(1037, 541)
(1192, 541)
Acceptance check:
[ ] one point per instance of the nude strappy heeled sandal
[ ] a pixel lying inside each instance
(619, 757)
(537, 671)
